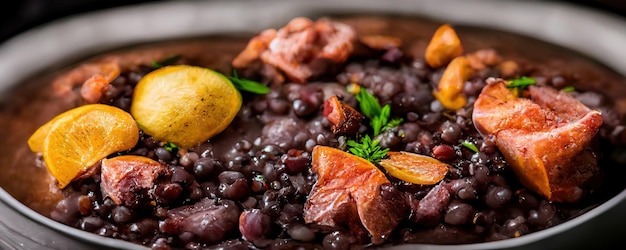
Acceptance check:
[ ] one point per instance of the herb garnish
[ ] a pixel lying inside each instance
(379, 116)
(248, 85)
(171, 147)
(470, 145)
(165, 62)
(569, 89)
(367, 149)
(521, 82)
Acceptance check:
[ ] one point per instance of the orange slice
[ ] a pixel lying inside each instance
(414, 168)
(74, 141)
(184, 105)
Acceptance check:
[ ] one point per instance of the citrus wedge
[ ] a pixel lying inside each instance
(184, 105)
(414, 168)
(74, 141)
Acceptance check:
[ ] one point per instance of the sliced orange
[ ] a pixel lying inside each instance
(184, 105)
(414, 168)
(74, 141)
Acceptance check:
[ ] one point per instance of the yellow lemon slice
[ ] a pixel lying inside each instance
(184, 105)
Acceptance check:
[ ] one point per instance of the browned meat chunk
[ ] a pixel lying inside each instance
(127, 180)
(301, 48)
(94, 77)
(545, 139)
(428, 211)
(206, 220)
(352, 192)
(344, 119)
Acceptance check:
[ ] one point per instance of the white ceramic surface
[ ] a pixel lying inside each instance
(598, 35)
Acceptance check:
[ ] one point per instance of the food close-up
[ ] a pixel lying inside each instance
(329, 132)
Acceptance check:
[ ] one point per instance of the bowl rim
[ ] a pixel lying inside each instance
(554, 22)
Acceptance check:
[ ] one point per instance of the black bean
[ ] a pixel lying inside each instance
(168, 191)
(296, 160)
(526, 199)
(91, 224)
(235, 191)
(254, 224)
(301, 232)
(338, 240)
(160, 244)
(450, 132)
(229, 177)
(163, 154)
(67, 211)
(187, 160)
(122, 214)
(458, 213)
(497, 196)
(181, 176)
(143, 227)
(204, 167)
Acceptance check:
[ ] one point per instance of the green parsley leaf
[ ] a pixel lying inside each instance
(470, 145)
(368, 104)
(167, 61)
(379, 116)
(569, 89)
(171, 147)
(521, 82)
(248, 85)
(367, 149)
(393, 123)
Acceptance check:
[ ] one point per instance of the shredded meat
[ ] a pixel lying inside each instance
(545, 139)
(301, 49)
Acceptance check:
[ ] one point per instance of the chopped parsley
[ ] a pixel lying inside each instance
(521, 83)
(171, 147)
(569, 89)
(367, 149)
(248, 85)
(378, 116)
(165, 62)
(470, 145)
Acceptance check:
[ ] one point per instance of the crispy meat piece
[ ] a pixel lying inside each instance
(353, 193)
(301, 49)
(127, 180)
(344, 119)
(545, 138)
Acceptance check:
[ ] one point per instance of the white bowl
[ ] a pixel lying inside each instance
(600, 36)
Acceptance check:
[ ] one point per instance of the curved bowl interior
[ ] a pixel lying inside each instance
(72, 38)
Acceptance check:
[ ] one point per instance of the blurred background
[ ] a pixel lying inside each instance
(21, 15)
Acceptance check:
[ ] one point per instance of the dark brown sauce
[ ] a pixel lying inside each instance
(31, 104)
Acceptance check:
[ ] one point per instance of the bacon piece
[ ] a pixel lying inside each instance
(351, 191)
(254, 49)
(301, 48)
(545, 139)
(344, 119)
(95, 78)
(128, 179)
